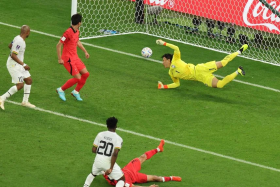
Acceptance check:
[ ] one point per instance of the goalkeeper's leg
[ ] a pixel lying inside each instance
(216, 83)
(226, 80)
(230, 57)
(226, 60)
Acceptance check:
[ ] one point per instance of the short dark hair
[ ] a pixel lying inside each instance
(168, 56)
(76, 18)
(112, 122)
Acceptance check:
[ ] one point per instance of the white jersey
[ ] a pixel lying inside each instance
(18, 47)
(17, 71)
(106, 142)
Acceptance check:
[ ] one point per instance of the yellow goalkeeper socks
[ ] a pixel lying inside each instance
(229, 58)
(227, 79)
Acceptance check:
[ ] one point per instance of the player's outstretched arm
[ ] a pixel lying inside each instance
(177, 53)
(175, 84)
(161, 42)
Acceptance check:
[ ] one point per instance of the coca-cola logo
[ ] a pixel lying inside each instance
(262, 14)
(171, 3)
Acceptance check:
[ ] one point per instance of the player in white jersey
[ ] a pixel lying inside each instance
(106, 146)
(18, 70)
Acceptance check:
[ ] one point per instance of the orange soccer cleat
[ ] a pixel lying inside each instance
(161, 145)
(174, 178)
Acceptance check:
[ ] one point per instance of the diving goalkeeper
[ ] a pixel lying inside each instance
(178, 69)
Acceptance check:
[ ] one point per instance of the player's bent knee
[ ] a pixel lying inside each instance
(19, 86)
(28, 81)
(220, 84)
(157, 178)
(85, 75)
(142, 158)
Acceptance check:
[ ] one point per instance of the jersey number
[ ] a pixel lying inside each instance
(105, 148)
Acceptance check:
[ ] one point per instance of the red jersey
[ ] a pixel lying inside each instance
(131, 174)
(70, 39)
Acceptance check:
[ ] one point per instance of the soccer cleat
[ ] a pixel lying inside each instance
(77, 96)
(27, 104)
(174, 178)
(2, 104)
(61, 95)
(241, 71)
(243, 48)
(161, 144)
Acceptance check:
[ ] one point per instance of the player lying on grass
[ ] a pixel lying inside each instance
(132, 175)
(178, 69)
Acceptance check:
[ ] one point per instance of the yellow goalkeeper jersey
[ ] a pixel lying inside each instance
(179, 69)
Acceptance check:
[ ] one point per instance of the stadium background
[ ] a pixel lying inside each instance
(215, 137)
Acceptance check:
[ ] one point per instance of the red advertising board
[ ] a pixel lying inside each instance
(246, 13)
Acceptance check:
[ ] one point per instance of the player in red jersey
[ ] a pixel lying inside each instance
(70, 59)
(132, 175)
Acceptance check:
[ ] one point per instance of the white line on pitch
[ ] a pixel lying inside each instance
(153, 138)
(137, 56)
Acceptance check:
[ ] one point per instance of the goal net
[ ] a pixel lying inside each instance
(216, 25)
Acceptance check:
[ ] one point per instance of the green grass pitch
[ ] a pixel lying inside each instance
(215, 137)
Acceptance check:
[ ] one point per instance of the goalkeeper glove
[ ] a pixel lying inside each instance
(162, 86)
(160, 42)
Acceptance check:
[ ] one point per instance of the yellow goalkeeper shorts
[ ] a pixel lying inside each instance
(204, 72)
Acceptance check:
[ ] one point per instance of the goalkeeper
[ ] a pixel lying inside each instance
(178, 69)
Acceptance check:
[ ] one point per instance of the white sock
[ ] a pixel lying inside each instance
(158, 150)
(120, 183)
(89, 180)
(26, 93)
(60, 90)
(75, 92)
(9, 93)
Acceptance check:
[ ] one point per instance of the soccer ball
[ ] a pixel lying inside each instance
(146, 52)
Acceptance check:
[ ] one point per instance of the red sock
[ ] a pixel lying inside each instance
(69, 83)
(166, 179)
(82, 81)
(151, 153)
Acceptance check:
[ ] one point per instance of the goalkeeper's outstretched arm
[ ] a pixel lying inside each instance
(175, 84)
(177, 53)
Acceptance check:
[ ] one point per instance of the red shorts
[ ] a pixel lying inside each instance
(73, 65)
(131, 172)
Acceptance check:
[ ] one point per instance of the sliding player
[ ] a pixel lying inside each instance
(132, 175)
(70, 59)
(178, 69)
